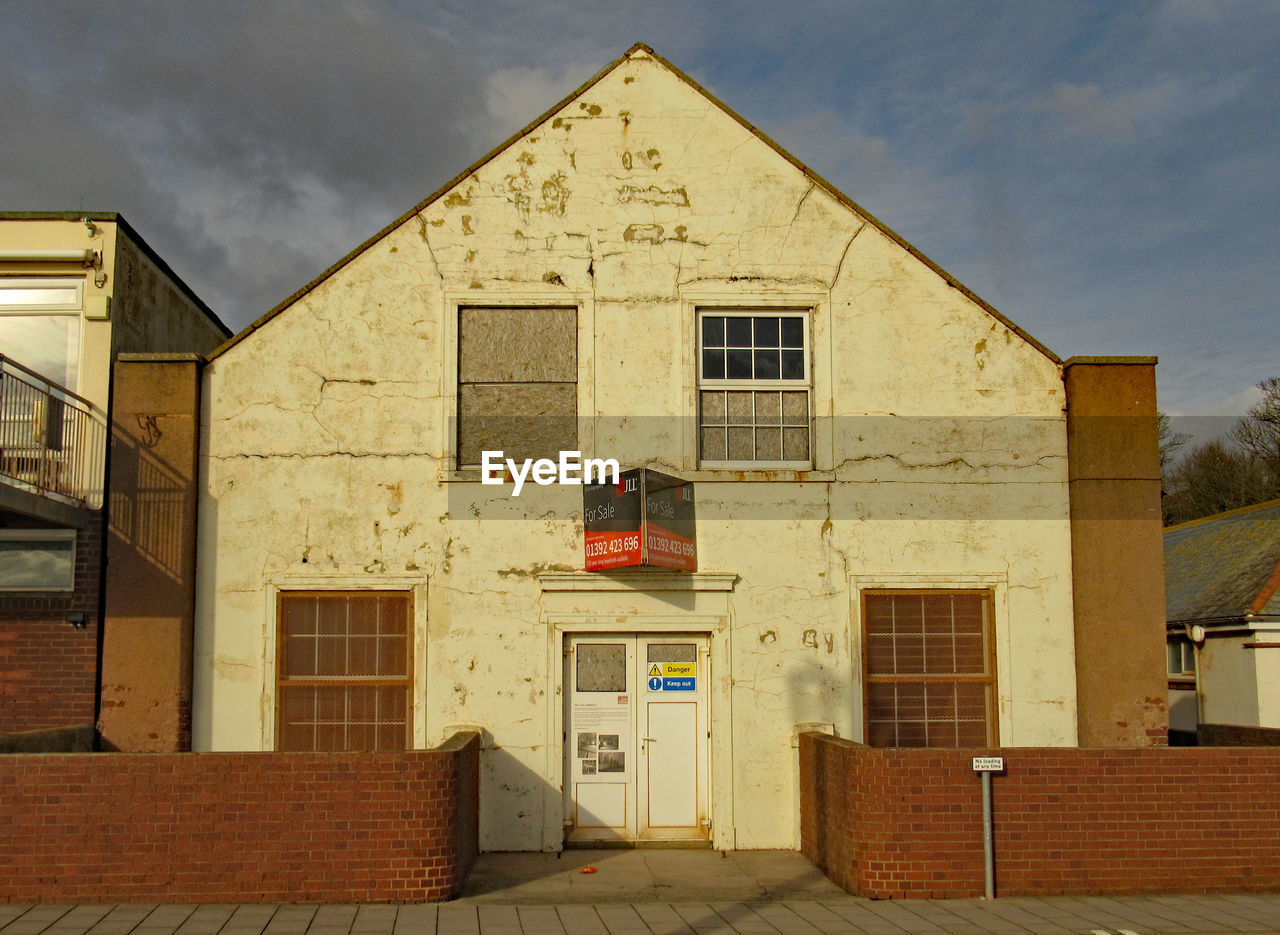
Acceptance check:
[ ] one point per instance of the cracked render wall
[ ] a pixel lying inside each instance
(938, 448)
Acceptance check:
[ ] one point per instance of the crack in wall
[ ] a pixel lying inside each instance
(843, 256)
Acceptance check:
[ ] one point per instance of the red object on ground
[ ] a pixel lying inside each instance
(587, 870)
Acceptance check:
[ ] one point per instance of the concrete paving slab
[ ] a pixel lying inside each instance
(122, 919)
(1244, 908)
(416, 920)
(702, 919)
(206, 919)
(9, 913)
(456, 919)
(36, 919)
(78, 921)
(661, 919)
(858, 914)
(784, 919)
(249, 920)
(743, 918)
(540, 920)
(290, 920)
(164, 919)
(580, 920)
(1187, 909)
(373, 919)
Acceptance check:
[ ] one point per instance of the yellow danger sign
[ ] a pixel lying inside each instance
(678, 669)
(655, 669)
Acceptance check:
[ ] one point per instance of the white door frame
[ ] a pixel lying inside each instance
(719, 701)
(636, 744)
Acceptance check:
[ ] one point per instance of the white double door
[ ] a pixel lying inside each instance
(636, 737)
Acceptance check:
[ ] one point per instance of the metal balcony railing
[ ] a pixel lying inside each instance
(52, 442)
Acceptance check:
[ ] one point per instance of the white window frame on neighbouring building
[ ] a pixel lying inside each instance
(45, 314)
(755, 388)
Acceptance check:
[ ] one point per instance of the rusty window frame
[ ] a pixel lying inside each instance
(986, 679)
(398, 685)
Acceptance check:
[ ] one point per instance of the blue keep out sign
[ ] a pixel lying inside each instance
(655, 684)
(686, 683)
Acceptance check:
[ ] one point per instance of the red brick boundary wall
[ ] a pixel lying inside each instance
(908, 823)
(239, 827)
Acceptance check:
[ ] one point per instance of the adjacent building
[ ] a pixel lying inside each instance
(1222, 586)
(77, 295)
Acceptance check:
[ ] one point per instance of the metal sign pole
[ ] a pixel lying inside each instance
(986, 765)
(988, 838)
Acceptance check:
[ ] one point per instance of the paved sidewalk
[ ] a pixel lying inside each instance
(648, 892)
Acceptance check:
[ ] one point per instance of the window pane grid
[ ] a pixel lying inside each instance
(928, 664)
(342, 718)
(754, 388)
(754, 425)
(344, 671)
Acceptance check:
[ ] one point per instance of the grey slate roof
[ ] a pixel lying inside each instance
(1224, 566)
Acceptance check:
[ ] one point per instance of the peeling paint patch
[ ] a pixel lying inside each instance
(555, 195)
(653, 195)
(395, 498)
(466, 224)
(648, 159)
(593, 110)
(533, 570)
(648, 233)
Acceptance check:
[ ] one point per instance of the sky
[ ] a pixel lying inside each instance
(1104, 174)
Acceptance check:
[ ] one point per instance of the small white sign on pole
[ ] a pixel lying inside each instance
(988, 764)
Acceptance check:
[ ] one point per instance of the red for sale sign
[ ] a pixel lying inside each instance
(647, 518)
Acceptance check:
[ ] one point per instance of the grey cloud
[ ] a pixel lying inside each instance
(206, 124)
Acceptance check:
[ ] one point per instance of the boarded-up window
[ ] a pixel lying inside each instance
(930, 671)
(517, 382)
(343, 674)
(753, 387)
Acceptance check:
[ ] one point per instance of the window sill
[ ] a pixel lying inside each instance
(749, 472)
(737, 473)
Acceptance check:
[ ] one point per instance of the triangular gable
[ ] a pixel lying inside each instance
(641, 48)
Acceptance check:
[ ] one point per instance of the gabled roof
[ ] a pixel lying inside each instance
(640, 47)
(1224, 567)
